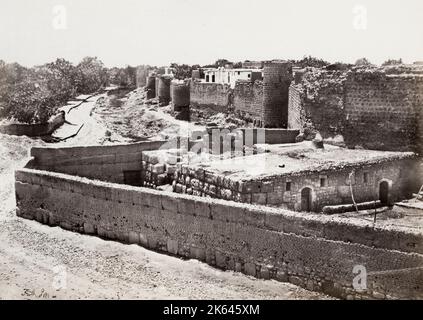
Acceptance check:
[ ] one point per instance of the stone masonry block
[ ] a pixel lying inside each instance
(134, 237)
(254, 217)
(250, 269)
(198, 253)
(152, 199)
(89, 228)
(202, 208)
(221, 212)
(259, 198)
(220, 259)
(275, 198)
(172, 246)
(143, 240)
(169, 203)
(186, 206)
(159, 168)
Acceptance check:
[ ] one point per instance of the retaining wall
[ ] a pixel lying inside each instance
(108, 163)
(315, 252)
(34, 130)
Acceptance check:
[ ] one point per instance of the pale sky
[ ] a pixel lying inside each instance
(159, 32)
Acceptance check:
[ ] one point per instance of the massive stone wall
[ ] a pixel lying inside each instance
(384, 111)
(107, 163)
(277, 77)
(34, 130)
(265, 103)
(212, 96)
(373, 109)
(318, 103)
(316, 252)
(248, 100)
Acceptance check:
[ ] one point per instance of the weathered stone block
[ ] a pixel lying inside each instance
(250, 269)
(220, 259)
(202, 208)
(143, 240)
(172, 246)
(259, 198)
(186, 206)
(133, 237)
(89, 228)
(264, 273)
(198, 253)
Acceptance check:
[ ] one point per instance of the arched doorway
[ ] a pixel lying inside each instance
(384, 192)
(306, 200)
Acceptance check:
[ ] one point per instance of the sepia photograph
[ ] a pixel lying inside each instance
(212, 156)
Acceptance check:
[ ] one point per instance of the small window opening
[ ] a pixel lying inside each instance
(366, 177)
(323, 182)
(288, 186)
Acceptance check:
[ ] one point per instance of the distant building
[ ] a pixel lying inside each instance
(230, 76)
(252, 64)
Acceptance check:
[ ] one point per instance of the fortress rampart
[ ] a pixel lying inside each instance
(314, 251)
(370, 109)
(265, 103)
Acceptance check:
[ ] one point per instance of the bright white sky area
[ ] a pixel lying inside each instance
(159, 32)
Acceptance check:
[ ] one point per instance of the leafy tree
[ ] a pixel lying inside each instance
(363, 62)
(392, 62)
(311, 62)
(123, 77)
(183, 71)
(31, 102)
(91, 75)
(60, 77)
(33, 95)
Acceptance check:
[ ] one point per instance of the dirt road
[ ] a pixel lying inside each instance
(40, 262)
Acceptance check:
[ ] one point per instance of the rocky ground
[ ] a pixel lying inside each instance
(40, 262)
(130, 117)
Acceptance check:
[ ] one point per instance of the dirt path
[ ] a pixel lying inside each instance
(40, 262)
(92, 132)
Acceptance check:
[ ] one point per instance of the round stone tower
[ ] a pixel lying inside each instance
(157, 86)
(277, 77)
(180, 94)
(164, 90)
(151, 87)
